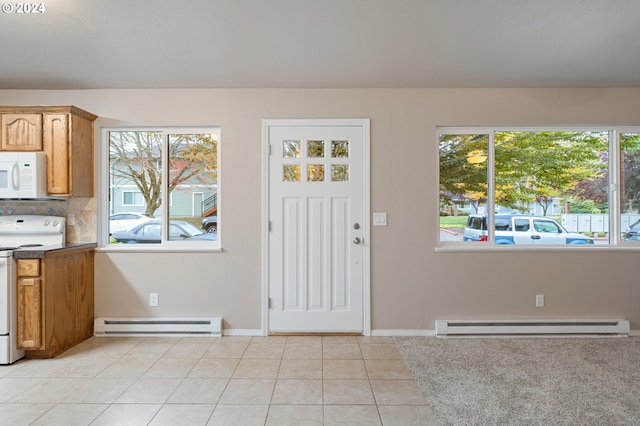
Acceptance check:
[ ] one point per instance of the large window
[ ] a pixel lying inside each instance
(562, 187)
(169, 179)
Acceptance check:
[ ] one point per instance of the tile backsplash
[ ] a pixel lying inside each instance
(84, 209)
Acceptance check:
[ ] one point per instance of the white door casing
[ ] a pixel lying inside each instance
(316, 234)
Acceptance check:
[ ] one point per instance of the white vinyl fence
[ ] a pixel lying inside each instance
(595, 222)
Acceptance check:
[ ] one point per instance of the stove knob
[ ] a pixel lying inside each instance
(56, 223)
(46, 222)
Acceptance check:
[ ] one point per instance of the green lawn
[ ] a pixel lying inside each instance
(453, 221)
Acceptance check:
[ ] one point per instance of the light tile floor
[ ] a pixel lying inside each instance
(277, 380)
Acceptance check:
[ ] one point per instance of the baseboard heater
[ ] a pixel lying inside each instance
(158, 326)
(469, 328)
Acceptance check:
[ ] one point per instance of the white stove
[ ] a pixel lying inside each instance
(20, 233)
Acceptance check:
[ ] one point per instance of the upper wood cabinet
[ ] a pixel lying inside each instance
(68, 141)
(21, 132)
(64, 133)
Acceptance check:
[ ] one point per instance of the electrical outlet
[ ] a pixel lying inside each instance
(153, 299)
(71, 220)
(539, 300)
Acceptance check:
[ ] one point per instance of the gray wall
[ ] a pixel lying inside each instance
(411, 284)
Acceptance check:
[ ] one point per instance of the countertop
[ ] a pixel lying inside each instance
(39, 252)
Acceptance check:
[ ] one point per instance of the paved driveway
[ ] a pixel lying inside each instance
(449, 235)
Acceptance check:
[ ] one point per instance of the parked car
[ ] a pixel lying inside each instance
(210, 224)
(124, 221)
(150, 232)
(522, 229)
(476, 229)
(633, 232)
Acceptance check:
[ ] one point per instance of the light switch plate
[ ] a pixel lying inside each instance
(379, 219)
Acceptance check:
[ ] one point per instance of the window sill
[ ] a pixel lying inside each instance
(506, 248)
(150, 248)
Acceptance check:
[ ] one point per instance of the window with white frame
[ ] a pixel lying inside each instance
(539, 187)
(132, 198)
(156, 172)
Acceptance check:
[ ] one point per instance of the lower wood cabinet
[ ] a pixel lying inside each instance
(55, 301)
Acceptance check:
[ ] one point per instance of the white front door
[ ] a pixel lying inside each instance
(317, 245)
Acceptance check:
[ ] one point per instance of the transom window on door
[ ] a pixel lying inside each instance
(166, 181)
(315, 161)
(540, 187)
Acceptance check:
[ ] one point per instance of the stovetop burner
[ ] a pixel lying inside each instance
(30, 245)
(7, 248)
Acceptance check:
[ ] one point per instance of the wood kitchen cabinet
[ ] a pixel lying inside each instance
(20, 131)
(55, 300)
(64, 133)
(68, 142)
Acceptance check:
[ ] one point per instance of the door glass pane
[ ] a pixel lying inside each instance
(315, 172)
(291, 173)
(291, 149)
(339, 149)
(630, 187)
(316, 149)
(340, 172)
(192, 165)
(463, 187)
(135, 170)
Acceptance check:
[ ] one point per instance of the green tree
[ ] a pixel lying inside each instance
(463, 169)
(136, 157)
(540, 166)
(630, 166)
(533, 166)
(595, 187)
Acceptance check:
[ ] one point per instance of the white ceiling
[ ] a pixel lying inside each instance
(103, 44)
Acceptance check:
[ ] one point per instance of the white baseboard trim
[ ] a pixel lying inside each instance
(428, 333)
(241, 332)
(579, 327)
(376, 333)
(432, 333)
(158, 326)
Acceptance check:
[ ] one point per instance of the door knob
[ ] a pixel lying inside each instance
(356, 240)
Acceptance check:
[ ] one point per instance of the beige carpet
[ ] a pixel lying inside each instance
(533, 381)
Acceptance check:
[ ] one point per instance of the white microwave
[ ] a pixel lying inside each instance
(23, 175)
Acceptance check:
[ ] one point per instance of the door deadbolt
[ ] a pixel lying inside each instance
(356, 226)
